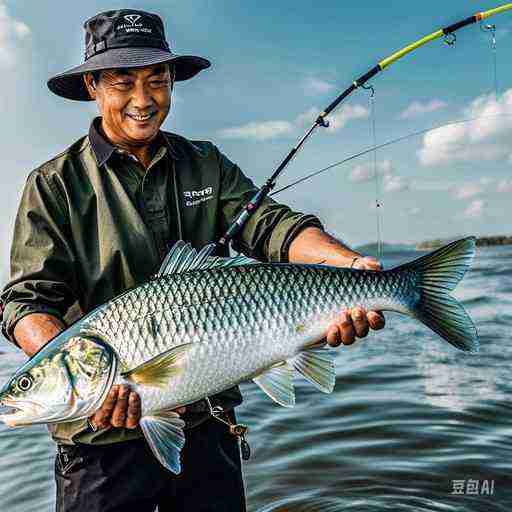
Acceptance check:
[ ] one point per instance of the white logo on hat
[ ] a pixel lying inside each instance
(132, 18)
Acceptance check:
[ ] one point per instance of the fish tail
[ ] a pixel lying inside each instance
(435, 275)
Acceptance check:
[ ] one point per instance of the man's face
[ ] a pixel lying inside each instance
(133, 102)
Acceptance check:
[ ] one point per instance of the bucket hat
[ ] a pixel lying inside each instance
(123, 38)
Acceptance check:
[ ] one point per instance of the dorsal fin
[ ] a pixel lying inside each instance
(183, 257)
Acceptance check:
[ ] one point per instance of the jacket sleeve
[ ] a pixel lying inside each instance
(270, 231)
(42, 276)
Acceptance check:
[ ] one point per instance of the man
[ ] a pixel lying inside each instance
(99, 218)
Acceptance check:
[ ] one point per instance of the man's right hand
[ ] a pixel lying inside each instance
(121, 408)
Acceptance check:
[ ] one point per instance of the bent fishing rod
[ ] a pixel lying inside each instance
(449, 35)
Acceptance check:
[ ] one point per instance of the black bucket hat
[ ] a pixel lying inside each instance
(125, 38)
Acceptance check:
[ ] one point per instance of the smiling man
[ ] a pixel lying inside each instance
(99, 218)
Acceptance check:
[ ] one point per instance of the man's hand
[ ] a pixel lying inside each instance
(121, 408)
(356, 322)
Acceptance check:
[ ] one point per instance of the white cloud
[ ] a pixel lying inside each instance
(393, 183)
(364, 172)
(475, 210)
(273, 129)
(361, 174)
(484, 139)
(11, 33)
(416, 108)
(339, 118)
(505, 185)
(467, 190)
(390, 182)
(258, 131)
(315, 86)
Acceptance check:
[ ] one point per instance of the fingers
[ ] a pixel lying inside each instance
(360, 322)
(352, 324)
(120, 412)
(134, 410)
(122, 408)
(101, 417)
(376, 320)
(367, 263)
(333, 336)
(342, 332)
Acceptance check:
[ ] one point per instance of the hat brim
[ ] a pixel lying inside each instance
(70, 84)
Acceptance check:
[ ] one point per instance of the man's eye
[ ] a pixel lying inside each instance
(159, 83)
(123, 85)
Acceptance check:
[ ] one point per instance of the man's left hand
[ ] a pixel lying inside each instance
(356, 322)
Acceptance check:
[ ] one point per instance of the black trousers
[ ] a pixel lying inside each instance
(126, 476)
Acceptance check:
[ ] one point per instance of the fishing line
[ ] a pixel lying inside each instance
(492, 31)
(447, 32)
(381, 146)
(378, 203)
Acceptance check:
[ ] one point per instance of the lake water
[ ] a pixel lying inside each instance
(413, 424)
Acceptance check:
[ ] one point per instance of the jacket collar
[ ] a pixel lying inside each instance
(103, 149)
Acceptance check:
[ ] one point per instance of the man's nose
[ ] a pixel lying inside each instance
(141, 97)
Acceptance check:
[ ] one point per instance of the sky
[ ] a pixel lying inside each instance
(274, 66)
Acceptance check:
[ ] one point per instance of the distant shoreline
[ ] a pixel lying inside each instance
(482, 241)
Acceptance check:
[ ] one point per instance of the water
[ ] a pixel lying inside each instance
(409, 416)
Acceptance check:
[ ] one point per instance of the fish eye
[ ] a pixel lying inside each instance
(24, 382)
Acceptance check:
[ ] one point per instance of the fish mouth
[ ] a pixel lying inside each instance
(18, 413)
(27, 412)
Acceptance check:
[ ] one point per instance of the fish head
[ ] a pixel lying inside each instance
(64, 383)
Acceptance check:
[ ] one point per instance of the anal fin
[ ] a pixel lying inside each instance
(165, 436)
(277, 383)
(158, 371)
(317, 366)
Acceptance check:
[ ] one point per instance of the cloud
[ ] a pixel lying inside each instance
(505, 185)
(346, 113)
(12, 32)
(484, 139)
(364, 172)
(337, 119)
(258, 131)
(390, 182)
(475, 210)
(315, 86)
(274, 129)
(467, 190)
(393, 183)
(416, 108)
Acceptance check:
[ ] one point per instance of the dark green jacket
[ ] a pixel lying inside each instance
(92, 223)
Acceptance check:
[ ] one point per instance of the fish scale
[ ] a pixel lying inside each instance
(205, 324)
(206, 306)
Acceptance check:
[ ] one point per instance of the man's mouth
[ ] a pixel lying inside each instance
(141, 117)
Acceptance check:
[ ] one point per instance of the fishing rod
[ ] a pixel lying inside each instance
(449, 35)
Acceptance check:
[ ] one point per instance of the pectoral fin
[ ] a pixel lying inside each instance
(317, 366)
(158, 371)
(165, 436)
(277, 383)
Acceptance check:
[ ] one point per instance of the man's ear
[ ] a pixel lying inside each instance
(90, 84)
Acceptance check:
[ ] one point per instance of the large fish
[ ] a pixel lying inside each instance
(204, 324)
